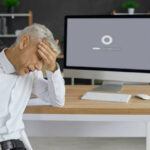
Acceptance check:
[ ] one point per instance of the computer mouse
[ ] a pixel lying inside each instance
(143, 96)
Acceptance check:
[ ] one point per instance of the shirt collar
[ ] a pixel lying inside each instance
(6, 64)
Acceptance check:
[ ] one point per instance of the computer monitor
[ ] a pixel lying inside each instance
(110, 48)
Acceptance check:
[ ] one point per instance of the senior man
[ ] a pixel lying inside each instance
(21, 75)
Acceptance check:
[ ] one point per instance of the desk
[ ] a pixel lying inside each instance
(85, 110)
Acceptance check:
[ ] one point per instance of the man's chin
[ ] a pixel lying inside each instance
(22, 73)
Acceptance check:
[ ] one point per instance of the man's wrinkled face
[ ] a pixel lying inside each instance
(29, 59)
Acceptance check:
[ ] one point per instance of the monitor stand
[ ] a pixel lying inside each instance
(109, 86)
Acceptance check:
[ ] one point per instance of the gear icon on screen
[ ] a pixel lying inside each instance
(106, 39)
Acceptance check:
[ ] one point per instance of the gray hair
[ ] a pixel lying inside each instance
(39, 31)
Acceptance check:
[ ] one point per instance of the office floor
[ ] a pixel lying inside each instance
(88, 143)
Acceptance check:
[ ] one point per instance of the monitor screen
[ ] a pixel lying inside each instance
(115, 43)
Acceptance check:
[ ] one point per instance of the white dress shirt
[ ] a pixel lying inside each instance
(15, 92)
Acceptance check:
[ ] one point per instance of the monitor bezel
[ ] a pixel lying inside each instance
(103, 17)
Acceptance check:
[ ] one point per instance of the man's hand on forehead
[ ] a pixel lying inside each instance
(48, 54)
(50, 44)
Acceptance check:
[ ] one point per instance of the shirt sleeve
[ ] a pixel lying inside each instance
(52, 90)
(25, 140)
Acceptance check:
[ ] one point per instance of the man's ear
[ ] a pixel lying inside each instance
(24, 41)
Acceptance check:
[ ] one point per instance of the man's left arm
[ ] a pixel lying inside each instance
(53, 89)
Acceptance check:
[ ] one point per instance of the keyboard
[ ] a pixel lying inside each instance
(109, 97)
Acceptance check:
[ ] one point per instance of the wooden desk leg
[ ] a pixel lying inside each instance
(148, 136)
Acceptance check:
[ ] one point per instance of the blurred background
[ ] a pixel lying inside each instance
(51, 13)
